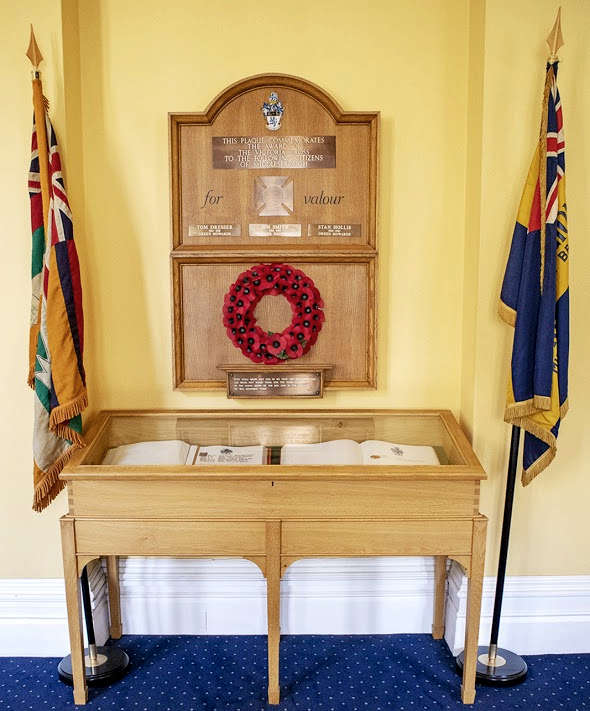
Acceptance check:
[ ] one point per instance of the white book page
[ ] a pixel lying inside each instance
(172, 452)
(375, 451)
(335, 452)
(223, 454)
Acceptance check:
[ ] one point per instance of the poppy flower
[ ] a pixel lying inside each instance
(306, 296)
(249, 293)
(294, 349)
(253, 338)
(277, 343)
(269, 358)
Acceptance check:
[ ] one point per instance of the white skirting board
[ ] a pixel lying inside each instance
(541, 615)
(33, 620)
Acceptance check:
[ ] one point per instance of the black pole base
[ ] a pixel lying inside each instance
(512, 672)
(112, 664)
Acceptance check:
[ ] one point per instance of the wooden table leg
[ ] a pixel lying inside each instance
(114, 596)
(478, 547)
(440, 579)
(74, 609)
(273, 606)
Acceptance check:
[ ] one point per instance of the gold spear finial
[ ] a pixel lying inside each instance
(555, 39)
(33, 52)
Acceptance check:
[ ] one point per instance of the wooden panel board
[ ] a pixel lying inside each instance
(274, 499)
(333, 185)
(376, 538)
(348, 291)
(170, 537)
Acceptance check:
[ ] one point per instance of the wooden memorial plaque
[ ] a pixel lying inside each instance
(274, 172)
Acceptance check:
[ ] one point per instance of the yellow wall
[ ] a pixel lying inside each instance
(459, 118)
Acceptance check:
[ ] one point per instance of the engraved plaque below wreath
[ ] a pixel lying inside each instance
(289, 380)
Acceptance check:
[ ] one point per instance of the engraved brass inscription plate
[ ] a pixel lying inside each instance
(251, 152)
(344, 230)
(268, 230)
(278, 384)
(214, 230)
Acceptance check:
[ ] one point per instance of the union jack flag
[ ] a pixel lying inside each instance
(535, 295)
(56, 344)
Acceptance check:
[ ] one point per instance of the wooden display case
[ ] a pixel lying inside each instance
(273, 514)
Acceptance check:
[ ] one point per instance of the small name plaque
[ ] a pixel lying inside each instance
(251, 152)
(215, 230)
(278, 230)
(343, 230)
(288, 380)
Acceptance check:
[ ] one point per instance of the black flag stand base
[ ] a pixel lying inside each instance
(507, 668)
(102, 665)
(500, 667)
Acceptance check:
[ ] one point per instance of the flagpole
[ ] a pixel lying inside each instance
(497, 666)
(102, 664)
(501, 667)
(40, 104)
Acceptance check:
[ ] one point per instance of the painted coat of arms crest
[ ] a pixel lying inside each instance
(273, 111)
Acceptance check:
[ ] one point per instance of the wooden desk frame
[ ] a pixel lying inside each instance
(274, 516)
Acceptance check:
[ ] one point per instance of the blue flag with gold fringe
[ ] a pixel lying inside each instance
(535, 295)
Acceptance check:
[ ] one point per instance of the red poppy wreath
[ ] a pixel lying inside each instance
(242, 298)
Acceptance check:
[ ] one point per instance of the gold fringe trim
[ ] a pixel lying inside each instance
(43, 502)
(542, 402)
(564, 409)
(66, 432)
(535, 429)
(525, 408)
(507, 314)
(518, 410)
(542, 463)
(545, 436)
(62, 414)
(50, 484)
(519, 415)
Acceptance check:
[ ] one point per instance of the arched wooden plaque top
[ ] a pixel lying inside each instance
(274, 171)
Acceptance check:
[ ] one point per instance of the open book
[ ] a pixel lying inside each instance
(177, 452)
(173, 451)
(347, 451)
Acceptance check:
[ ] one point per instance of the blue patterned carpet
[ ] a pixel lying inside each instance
(318, 673)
